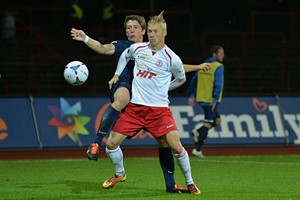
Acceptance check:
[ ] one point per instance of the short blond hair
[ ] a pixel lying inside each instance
(158, 19)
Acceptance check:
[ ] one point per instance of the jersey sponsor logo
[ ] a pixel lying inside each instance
(145, 74)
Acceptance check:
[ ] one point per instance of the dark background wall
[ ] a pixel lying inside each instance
(260, 38)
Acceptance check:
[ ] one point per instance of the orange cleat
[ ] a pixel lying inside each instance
(179, 189)
(193, 189)
(109, 183)
(93, 152)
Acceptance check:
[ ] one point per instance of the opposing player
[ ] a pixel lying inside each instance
(155, 64)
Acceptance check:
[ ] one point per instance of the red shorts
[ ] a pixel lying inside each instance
(156, 120)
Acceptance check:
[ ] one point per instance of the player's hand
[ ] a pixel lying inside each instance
(191, 101)
(112, 81)
(77, 34)
(205, 67)
(213, 106)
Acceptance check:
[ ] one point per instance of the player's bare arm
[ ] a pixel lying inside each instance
(103, 49)
(190, 68)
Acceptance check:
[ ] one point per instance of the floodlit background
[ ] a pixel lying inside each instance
(260, 38)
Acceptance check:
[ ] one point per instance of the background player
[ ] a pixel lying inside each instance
(207, 87)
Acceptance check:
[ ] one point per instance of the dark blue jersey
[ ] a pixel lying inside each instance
(120, 46)
(125, 79)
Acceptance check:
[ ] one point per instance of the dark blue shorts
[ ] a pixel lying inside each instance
(209, 115)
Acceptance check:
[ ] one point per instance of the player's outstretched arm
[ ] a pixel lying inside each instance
(191, 68)
(103, 49)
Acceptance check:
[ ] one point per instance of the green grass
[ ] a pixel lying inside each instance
(219, 178)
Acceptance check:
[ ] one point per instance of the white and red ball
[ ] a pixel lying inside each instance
(76, 73)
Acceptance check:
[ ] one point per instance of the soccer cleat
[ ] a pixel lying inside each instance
(179, 189)
(109, 183)
(93, 151)
(195, 136)
(193, 189)
(198, 154)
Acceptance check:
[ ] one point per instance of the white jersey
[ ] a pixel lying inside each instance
(153, 72)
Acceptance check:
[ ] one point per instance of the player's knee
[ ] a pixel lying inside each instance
(180, 152)
(207, 125)
(162, 143)
(120, 103)
(123, 101)
(110, 144)
(177, 148)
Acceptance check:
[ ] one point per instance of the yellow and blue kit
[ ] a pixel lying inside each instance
(207, 87)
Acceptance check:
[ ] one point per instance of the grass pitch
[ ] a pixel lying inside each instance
(219, 178)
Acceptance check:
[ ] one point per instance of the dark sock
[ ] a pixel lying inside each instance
(108, 119)
(167, 165)
(203, 131)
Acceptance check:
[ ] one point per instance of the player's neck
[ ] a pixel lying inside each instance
(157, 47)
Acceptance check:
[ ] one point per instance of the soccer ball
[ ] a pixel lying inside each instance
(76, 73)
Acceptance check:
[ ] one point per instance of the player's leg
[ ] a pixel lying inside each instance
(127, 125)
(109, 118)
(218, 119)
(120, 100)
(166, 161)
(114, 152)
(202, 135)
(182, 157)
(202, 132)
(162, 125)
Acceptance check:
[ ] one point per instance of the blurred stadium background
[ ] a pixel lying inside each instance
(261, 41)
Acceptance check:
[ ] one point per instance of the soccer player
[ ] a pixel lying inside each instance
(135, 27)
(155, 64)
(206, 88)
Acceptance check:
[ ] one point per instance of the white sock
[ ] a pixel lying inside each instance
(116, 157)
(183, 161)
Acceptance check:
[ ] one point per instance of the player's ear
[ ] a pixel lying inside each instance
(165, 33)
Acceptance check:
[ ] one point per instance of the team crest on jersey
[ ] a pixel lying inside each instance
(159, 63)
